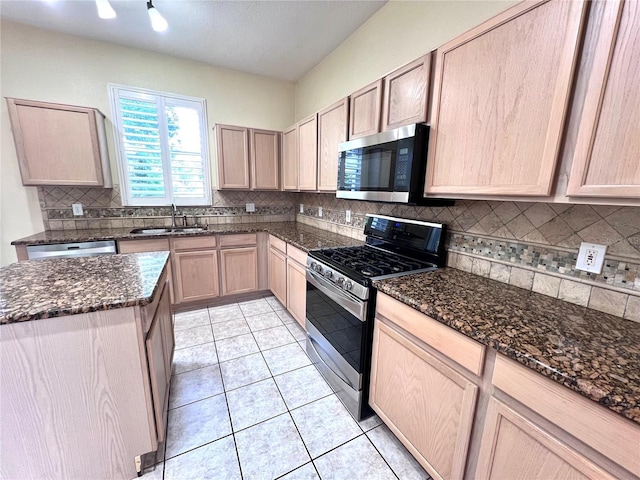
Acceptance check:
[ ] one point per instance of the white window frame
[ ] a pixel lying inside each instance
(115, 93)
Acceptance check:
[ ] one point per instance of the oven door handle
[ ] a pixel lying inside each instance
(346, 301)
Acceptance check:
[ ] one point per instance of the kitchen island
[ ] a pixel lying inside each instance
(86, 349)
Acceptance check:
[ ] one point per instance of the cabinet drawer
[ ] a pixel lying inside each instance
(607, 432)
(145, 245)
(236, 240)
(460, 349)
(205, 241)
(278, 244)
(297, 255)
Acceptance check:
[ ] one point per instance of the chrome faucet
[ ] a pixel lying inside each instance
(173, 216)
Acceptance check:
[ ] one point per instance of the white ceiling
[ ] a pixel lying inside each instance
(274, 38)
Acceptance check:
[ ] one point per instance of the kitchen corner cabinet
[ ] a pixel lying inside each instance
(308, 153)
(278, 269)
(406, 92)
(500, 99)
(428, 405)
(239, 263)
(365, 110)
(264, 156)
(195, 262)
(59, 144)
(511, 445)
(606, 160)
(333, 126)
(290, 159)
(233, 157)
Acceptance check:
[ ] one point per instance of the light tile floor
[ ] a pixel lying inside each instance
(246, 403)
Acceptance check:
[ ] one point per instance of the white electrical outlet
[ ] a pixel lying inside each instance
(77, 209)
(320, 211)
(591, 257)
(347, 216)
(301, 208)
(251, 207)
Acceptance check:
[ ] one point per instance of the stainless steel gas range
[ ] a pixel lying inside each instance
(340, 304)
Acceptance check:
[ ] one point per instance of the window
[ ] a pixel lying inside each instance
(162, 149)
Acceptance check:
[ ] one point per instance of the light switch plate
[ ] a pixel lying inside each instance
(77, 209)
(301, 208)
(591, 257)
(251, 207)
(347, 216)
(320, 212)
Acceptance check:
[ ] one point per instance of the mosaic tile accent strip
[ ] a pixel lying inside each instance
(572, 291)
(617, 273)
(561, 225)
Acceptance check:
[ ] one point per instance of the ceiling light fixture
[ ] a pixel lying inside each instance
(158, 22)
(105, 10)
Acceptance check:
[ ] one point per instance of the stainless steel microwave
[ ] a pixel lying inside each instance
(386, 167)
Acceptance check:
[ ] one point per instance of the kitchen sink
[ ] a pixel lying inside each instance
(160, 230)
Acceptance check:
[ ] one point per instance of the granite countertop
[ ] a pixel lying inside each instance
(299, 235)
(593, 353)
(38, 289)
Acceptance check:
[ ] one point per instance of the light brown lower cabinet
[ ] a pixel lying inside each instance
(196, 275)
(239, 270)
(426, 404)
(297, 291)
(278, 274)
(515, 448)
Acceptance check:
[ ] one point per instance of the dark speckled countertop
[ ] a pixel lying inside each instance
(299, 235)
(593, 353)
(38, 289)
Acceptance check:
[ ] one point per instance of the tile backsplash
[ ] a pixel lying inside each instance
(530, 245)
(103, 209)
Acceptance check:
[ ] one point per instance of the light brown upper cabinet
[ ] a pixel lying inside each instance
(332, 131)
(290, 158)
(233, 157)
(606, 160)
(264, 153)
(365, 108)
(308, 153)
(500, 97)
(59, 144)
(405, 94)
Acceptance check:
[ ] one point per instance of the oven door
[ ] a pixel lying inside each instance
(336, 338)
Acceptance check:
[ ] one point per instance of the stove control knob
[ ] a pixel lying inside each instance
(328, 273)
(318, 268)
(347, 285)
(313, 265)
(340, 281)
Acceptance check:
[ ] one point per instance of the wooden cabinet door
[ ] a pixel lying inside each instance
(332, 131)
(56, 144)
(308, 153)
(297, 291)
(365, 108)
(278, 275)
(425, 403)
(168, 338)
(405, 94)
(233, 157)
(265, 159)
(158, 373)
(500, 99)
(196, 275)
(606, 160)
(290, 159)
(239, 270)
(514, 448)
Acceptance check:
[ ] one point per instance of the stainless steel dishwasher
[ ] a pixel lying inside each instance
(66, 250)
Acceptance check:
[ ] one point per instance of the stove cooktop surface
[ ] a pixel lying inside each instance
(365, 262)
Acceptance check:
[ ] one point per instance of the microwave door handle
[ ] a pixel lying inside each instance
(353, 306)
